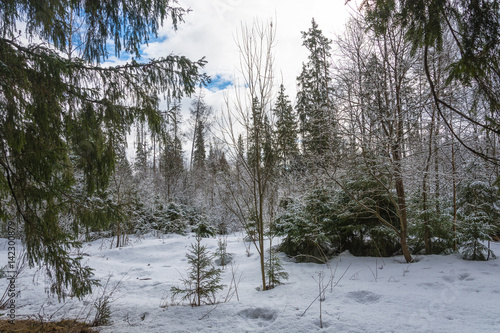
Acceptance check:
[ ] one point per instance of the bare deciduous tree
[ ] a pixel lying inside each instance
(251, 117)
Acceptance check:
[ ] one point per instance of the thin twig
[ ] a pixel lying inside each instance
(324, 290)
(209, 312)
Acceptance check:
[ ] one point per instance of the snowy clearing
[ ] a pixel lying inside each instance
(435, 294)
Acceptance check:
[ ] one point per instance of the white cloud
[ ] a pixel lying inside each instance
(210, 31)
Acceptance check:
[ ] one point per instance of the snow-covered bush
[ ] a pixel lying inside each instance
(474, 232)
(304, 232)
(327, 221)
(438, 223)
(204, 230)
(165, 218)
(361, 231)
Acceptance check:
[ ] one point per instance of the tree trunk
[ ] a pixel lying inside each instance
(404, 246)
(198, 270)
(403, 219)
(454, 176)
(397, 150)
(425, 186)
(260, 207)
(426, 218)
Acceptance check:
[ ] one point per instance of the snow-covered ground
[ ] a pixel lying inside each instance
(435, 294)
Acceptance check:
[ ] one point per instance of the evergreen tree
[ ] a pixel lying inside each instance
(255, 137)
(122, 192)
(172, 157)
(260, 153)
(141, 152)
(286, 130)
(63, 114)
(268, 147)
(240, 153)
(274, 270)
(216, 160)
(223, 257)
(172, 164)
(199, 149)
(476, 229)
(200, 112)
(315, 104)
(203, 280)
(478, 213)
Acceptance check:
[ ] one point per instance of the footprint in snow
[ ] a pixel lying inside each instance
(259, 313)
(364, 297)
(449, 278)
(430, 285)
(461, 277)
(466, 277)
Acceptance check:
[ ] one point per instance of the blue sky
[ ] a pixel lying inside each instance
(219, 83)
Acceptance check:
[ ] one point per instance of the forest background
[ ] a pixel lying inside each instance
(388, 146)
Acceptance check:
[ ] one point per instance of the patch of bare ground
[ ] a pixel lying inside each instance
(32, 326)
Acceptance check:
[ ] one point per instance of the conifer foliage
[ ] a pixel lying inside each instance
(63, 115)
(274, 269)
(315, 91)
(286, 130)
(203, 280)
(223, 257)
(478, 214)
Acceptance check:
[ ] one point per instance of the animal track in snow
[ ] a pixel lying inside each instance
(259, 313)
(466, 277)
(364, 297)
(460, 277)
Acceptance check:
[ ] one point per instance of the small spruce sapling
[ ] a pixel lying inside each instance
(478, 214)
(223, 258)
(474, 231)
(203, 280)
(274, 270)
(102, 304)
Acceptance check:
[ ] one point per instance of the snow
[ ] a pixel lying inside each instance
(435, 294)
